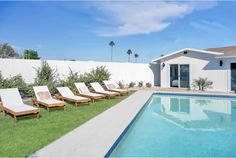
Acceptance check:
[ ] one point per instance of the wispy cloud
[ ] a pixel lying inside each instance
(131, 18)
(208, 26)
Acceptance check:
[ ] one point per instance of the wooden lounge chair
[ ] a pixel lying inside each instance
(98, 89)
(84, 91)
(13, 104)
(68, 95)
(43, 97)
(111, 86)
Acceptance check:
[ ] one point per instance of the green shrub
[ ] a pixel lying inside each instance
(72, 78)
(131, 84)
(121, 84)
(140, 84)
(16, 82)
(202, 83)
(45, 75)
(148, 85)
(98, 74)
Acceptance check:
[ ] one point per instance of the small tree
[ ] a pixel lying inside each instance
(136, 56)
(30, 54)
(45, 75)
(202, 83)
(129, 52)
(98, 74)
(112, 44)
(72, 78)
(6, 51)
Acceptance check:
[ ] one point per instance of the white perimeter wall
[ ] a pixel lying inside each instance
(201, 65)
(126, 72)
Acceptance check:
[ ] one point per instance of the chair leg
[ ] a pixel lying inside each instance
(64, 108)
(15, 119)
(3, 112)
(48, 109)
(37, 116)
(76, 105)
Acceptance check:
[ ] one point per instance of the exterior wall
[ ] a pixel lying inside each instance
(200, 65)
(126, 72)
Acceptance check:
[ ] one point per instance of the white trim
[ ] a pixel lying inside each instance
(232, 56)
(187, 49)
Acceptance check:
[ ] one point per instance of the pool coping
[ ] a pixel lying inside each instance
(200, 94)
(97, 136)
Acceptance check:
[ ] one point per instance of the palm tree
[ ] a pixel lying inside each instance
(136, 56)
(112, 44)
(129, 52)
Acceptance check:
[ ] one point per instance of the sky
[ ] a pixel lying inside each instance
(82, 30)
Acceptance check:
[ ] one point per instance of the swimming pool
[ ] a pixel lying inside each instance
(182, 126)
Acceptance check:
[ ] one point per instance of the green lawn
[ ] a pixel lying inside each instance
(30, 134)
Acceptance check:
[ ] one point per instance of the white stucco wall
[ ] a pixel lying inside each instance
(200, 65)
(126, 72)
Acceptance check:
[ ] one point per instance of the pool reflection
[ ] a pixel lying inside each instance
(197, 113)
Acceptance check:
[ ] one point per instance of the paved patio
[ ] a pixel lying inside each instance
(96, 137)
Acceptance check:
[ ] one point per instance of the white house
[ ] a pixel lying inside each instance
(180, 68)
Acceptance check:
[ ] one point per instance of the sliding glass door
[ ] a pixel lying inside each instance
(184, 76)
(174, 79)
(233, 76)
(179, 75)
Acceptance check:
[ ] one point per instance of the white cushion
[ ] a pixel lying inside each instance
(65, 91)
(119, 90)
(110, 82)
(51, 101)
(94, 94)
(38, 89)
(82, 88)
(97, 87)
(10, 96)
(21, 108)
(76, 97)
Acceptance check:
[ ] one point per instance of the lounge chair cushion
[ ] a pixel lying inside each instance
(77, 97)
(84, 90)
(21, 108)
(119, 90)
(44, 95)
(10, 97)
(51, 101)
(111, 86)
(94, 94)
(108, 92)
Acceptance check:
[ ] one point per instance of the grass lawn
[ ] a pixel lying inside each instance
(30, 134)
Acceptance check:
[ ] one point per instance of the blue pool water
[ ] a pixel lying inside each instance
(182, 126)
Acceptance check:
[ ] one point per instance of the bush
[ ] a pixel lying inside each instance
(72, 78)
(121, 84)
(202, 83)
(131, 84)
(16, 82)
(98, 74)
(140, 84)
(45, 75)
(148, 85)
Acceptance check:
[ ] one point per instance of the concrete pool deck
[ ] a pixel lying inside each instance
(96, 137)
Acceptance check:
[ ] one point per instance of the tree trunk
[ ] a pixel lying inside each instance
(111, 53)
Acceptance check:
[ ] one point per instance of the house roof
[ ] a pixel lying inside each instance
(229, 51)
(189, 49)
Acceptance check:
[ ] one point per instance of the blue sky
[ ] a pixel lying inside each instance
(82, 30)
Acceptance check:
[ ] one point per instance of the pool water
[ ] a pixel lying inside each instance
(182, 126)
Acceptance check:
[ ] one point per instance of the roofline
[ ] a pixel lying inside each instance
(232, 56)
(187, 49)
